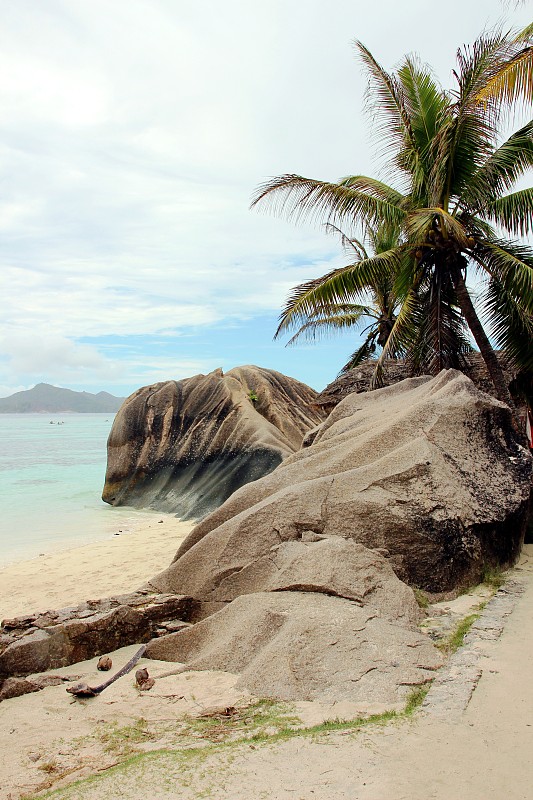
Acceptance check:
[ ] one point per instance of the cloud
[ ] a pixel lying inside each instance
(132, 136)
(58, 360)
(27, 354)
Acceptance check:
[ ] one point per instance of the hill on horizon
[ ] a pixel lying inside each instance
(45, 398)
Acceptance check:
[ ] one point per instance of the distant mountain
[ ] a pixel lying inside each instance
(53, 400)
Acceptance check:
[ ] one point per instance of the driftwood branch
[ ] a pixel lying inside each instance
(84, 690)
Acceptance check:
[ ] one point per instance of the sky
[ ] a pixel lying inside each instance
(132, 136)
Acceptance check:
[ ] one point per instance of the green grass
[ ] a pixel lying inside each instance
(493, 577)
(415, 700)
(455, 640)
(266, 722)
(121, 740)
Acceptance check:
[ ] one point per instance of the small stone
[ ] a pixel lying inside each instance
(104, 664)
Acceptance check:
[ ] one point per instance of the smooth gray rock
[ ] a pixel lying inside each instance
(185, 446)
(306, 646)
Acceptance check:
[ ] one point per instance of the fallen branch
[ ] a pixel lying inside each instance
(83, 690)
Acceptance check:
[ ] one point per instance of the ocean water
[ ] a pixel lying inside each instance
(52, 470)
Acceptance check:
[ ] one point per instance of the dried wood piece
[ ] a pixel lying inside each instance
(84, 690)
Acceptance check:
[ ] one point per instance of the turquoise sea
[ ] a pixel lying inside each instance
(52, 470)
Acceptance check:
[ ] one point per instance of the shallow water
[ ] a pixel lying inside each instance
(52, 470)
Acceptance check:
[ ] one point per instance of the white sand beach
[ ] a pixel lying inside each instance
(119, 564)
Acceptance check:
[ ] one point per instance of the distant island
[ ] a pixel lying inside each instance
(53, 400)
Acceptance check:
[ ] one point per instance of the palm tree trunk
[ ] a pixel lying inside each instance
(485, 348)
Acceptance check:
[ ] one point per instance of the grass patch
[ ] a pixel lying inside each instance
(121, 740)
(266, 717)
(455, 640)
(493, 577)
(415, 699)
(265, 722)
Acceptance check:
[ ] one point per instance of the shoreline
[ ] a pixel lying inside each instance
(118, 564)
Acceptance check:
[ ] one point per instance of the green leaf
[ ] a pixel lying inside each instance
(513, 212)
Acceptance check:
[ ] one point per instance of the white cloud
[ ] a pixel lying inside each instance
(133, 134)
(28, 354)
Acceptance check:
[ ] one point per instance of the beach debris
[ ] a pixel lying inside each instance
(104, 664)
(84, 690)
(143, 680)
(218, 712)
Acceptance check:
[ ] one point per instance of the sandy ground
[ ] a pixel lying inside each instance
(482, 754)
(119, 564)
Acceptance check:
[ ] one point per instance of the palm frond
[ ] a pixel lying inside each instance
(478, 65)
(323, 324)
(425, 103)
(401, 337)
(348, 243)
(509, 264)
(441, 339)
(340, 285)
(385, 99)
(502, 169)
(514, 212)
(423, 220)
(374, 188)
(362, 354)
(512, 326)
(297, 197)
(466, 136)
(514, 77)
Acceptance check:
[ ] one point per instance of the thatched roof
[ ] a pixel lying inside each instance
(358, 379)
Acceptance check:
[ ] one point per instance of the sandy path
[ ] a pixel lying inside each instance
(118, 564)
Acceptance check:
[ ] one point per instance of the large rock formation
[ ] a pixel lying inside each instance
(185, 446)
(429, 469)
(303, 646)
(298, 574)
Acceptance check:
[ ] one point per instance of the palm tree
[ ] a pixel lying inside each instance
(322, 305)
(454, 189)
(514, 79)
